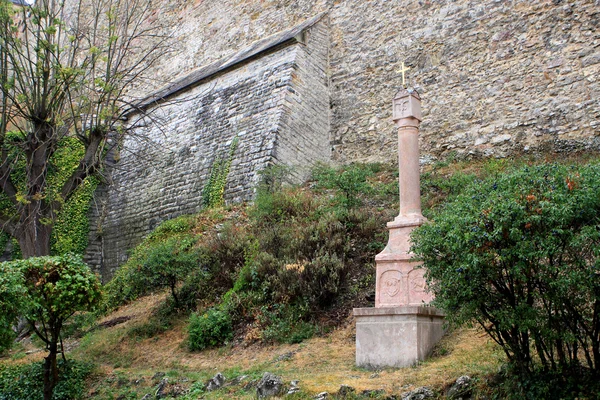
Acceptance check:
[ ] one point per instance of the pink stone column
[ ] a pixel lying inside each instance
(408, 164)
(398, 281)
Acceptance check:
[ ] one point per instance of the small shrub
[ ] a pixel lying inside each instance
(181, 224)
(350, 181)
(209, 329)
(12, 291)
(25, 381)
(285, 324)
(160, 263)
(55, 288)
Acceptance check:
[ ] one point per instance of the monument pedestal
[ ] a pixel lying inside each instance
(396, 336)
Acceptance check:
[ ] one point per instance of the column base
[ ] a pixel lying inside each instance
(396, 336)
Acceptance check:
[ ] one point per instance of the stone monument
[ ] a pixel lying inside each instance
(401, 329)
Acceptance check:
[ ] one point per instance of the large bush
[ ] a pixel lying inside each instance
(520, 255)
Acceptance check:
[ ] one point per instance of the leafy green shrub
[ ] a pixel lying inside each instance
(349, 180)
(26, 382)
(168, 262)
(181, 224)
(572, 383)
(12, 291)
(162, 260)
(55, 288)
(209, 329)
(284, 324)
(520, 255)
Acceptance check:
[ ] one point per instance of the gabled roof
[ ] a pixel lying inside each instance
(258, 48)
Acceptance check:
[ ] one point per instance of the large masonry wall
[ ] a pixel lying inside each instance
(165, 164)
(496, 77)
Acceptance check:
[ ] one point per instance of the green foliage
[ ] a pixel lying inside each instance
(212, 194)
(71, 228)
(181, 224)
(25, 381)
(56, 287)
(12, 291)
(572, 383)
(279, 265)
(284, 324)
(349, 181)
(168, 263)
(519, 253)
(209, 329)
(274, 177)
(162, 260)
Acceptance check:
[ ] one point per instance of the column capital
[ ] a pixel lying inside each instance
(407, 106)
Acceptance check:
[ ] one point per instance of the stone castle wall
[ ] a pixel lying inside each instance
(276, 104)
(496, 77)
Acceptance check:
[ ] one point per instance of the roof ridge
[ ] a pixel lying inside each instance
(247, 53)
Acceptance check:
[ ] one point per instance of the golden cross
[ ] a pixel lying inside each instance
(402, 71)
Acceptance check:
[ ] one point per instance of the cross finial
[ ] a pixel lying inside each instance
(403, 71)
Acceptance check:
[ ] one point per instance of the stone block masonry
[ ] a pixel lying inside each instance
(273, 96)
(498, 77)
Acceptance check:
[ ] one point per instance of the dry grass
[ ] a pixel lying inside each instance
(320, 364)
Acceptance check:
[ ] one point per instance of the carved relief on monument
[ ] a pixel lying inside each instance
(417, 289)
(390, 287)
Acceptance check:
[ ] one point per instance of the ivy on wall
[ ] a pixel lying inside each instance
(71, 227)
(212, 194)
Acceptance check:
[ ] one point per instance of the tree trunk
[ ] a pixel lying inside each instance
(50, 371)
(34, 238)
(36, 214)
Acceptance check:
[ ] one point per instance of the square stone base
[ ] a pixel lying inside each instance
(396, 336)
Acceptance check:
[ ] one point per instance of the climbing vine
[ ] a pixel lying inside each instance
(212, 195)
(71, 227)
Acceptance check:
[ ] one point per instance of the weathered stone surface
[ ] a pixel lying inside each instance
(216, 382)
(345, 390)
(294, 388)
(461, 389)
(276, 105)
(528, 69)
(161, 389)
(396, 336)
(495, 78)
(421, 393)
(270, 385)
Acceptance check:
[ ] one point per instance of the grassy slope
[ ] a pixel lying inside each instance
(127, 364)
(320, 364)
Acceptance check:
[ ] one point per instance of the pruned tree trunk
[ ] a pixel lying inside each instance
(34, 239)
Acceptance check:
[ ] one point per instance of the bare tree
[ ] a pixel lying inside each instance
(66, 71)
